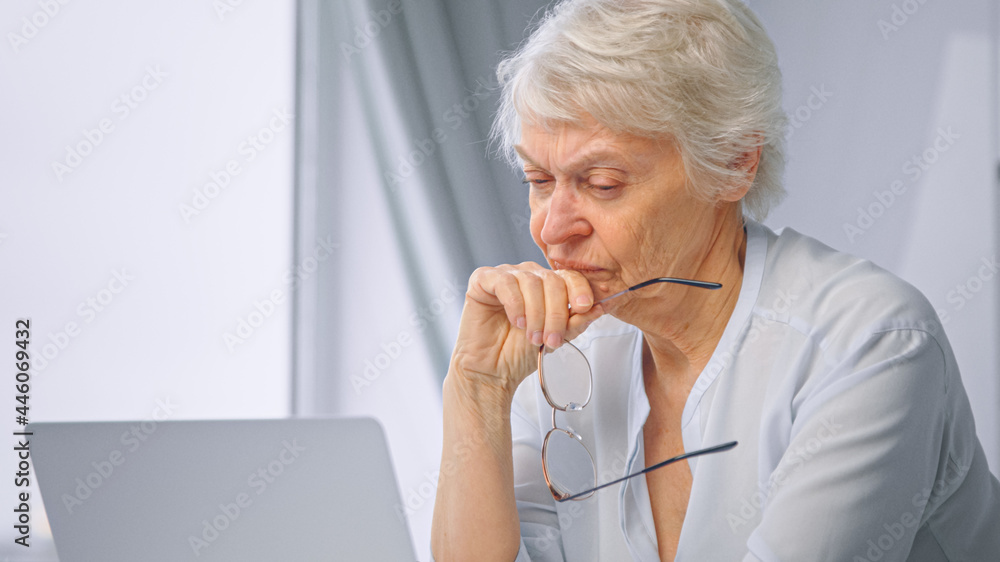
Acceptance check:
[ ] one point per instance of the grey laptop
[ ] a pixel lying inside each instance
(293, 489)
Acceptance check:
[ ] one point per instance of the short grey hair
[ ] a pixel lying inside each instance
(701, 73)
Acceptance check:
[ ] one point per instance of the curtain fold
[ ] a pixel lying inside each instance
(399, 100)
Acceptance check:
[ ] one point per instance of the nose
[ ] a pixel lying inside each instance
(564, 218)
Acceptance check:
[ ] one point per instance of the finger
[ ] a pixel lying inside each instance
(508, 292)
(580, 295)
(529, 266)
(532, 290)
(578, 323)
(497, 287)
(556, 308)
(482, 286)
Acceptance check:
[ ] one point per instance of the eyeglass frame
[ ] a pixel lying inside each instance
(574, 407)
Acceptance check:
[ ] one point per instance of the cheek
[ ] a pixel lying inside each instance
(628, 240)
(637, 242)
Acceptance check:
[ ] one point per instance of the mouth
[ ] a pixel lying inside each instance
(576, 266)
(600, 278)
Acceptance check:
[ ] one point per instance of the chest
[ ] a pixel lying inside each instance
(669, 486)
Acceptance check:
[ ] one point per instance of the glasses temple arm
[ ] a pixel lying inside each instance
(689, 282)
(677, 280)
(698, 453)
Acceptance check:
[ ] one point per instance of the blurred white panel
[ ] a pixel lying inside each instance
(950, 251)
(145, 209)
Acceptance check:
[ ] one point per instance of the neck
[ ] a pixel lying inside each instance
(681, 333)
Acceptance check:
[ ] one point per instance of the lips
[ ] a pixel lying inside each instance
(598, 277)
(577, 266)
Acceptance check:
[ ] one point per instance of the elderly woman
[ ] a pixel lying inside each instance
(650, 132)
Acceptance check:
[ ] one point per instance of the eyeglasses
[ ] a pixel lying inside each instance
(567, 383)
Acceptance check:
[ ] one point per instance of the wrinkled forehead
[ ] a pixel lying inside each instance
(586, 141)
(575, 148)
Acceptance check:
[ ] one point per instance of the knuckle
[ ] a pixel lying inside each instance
(546, 275)
(555, 282)
(556, 318)
(483, 272)
(514, 299)
(528, 278)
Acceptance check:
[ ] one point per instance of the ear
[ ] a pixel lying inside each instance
(747, 163)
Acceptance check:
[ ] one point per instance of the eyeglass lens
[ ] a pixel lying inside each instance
(566, 381)
(565, 376)
(569, 466)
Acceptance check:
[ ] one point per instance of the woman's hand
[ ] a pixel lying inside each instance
(510, 310)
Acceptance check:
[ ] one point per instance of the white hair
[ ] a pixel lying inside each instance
(701, 73)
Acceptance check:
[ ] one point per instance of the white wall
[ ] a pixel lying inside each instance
(201, 82)
(874, 86)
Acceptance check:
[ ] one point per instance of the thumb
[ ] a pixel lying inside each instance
(578, 323)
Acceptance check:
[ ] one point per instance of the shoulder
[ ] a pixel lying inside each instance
(841, 319)
(840, 298)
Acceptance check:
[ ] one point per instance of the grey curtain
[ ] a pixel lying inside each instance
(410, 85)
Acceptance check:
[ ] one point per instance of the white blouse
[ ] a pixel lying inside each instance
(856, 439)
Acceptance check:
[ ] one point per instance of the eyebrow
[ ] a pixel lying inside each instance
(602, 156)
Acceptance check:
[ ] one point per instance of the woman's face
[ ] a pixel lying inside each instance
(613, 206)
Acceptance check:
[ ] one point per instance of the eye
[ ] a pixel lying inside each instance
(603, 186)
(537, 181)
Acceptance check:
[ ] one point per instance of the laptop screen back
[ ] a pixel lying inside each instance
(317, 489)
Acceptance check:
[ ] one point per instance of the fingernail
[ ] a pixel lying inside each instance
(520, 322)
(583, 300)
(536, 338)
(554, 340)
